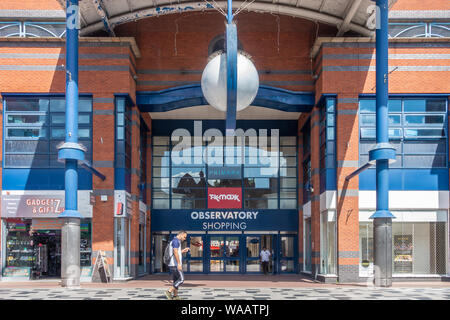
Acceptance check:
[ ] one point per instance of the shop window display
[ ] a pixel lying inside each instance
(20, 256)
(417, 248)
(35, 253)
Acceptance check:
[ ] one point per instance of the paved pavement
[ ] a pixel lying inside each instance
(293, 287)
(228, 294)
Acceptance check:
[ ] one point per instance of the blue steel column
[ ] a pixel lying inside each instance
(231, 45)
(71, 152)
(382, 153)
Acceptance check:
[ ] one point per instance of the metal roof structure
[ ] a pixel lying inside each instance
(347, 15)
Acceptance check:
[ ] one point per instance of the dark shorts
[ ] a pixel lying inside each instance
(177, 277)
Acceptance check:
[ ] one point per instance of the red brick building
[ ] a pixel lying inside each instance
(140, 80)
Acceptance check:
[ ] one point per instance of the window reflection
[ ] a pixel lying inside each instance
(187, 172)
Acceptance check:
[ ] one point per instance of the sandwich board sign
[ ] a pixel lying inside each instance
(101, 268)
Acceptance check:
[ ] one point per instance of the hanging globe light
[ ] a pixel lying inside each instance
(214, 81)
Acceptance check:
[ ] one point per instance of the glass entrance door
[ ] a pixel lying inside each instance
(308, 246)
(288, 249)
(224, 253)
(253, 244)
(195, 257)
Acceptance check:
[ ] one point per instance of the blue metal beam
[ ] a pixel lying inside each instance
(359, 170)
(382, 154)
(383, 151)
(104, 16)
(90, 168)
(71, 151)
(191, 95)
(231, 73)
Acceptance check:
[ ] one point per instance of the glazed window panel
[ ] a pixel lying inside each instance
(288, 203)
(161, 172)
(161, 193)
(368, 119)
(395, 120)
(161, 141)
(161, 151)
(394, 105)
(33, 146)
(288, 151)
(288, 161)
(28, 119)
(425, 105)
(187, 170)
(189, 192)
(120, 160)
(27, 161)
(266, 203)
(418, 131)
(288, 172)
(260, 172)
(425, 147)
(85, 105)
(424, 161)
(415, 120)
(27, 105)
(57, 105)
(230, 183)
(288, 141)
(33, 124)
(186, 202)
(161, 161)
(26, 132)
(160, 203)
(424, 133)
(161, 182)
(122, 133)
(288, 182)
(261, 183)
(260, 193)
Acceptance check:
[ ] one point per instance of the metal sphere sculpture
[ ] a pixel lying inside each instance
(214, 81)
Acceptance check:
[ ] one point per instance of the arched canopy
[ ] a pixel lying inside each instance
(346, 15)
(191, 95)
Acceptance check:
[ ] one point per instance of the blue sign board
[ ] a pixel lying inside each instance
(225, 220)
(224, 172)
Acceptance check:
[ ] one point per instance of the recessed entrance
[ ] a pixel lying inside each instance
(231, 253)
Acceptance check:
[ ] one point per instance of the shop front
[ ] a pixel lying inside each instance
(229, 241)
(31, 234)
(234, 195)
(419, 244)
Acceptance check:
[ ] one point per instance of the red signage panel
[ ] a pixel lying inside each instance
(224, 198)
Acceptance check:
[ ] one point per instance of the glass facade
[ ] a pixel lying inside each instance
(306, 162)
(266, 173)
(35, 126)
(121, 248)
(327, 140)
(328, 242)
(122, 161)
(417, 129)
(418, 248)
(143, 161)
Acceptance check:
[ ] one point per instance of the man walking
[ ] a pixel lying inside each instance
(176, 265)
(265, 255)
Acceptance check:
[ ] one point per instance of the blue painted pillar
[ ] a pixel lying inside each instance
(382, 154)
(231, 46)
(71, 152)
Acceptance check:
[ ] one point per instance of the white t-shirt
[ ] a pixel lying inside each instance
(175, 243)
(265, 254)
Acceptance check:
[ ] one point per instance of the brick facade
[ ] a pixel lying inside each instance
(174, 51)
